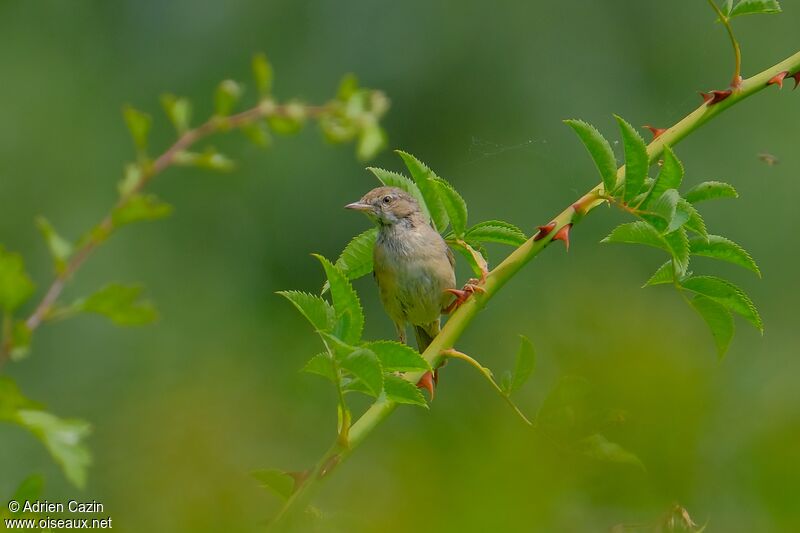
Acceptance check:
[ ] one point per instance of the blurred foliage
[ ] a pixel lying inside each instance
(184, 409)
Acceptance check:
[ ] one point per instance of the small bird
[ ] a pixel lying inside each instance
(413, 265)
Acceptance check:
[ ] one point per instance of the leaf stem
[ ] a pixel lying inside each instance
(512, 264)
(737, 51)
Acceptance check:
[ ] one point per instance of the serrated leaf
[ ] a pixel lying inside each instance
(393, 179)
(275, 480)
(454, 204)
(678, 243)
(637, 161)
(495, 231)
(664, 274)
(523, 366)
(710, 190)
(317, 311)
(119, 303)
(719, 320)
(723, 249)
(321, 365)
(60, 248)
(399, 390)
(598, 447)
(423, 177)
(670, 176)
(726, 293)
(138, 125)
(262, 72)
(140, 207)
(64, 440)
(226, 96)
(364, 365)
(178, 110)
(15, 284)
(661, 211)
(371, 140)
(345, 302)
(638, 232)
(600, 150)
(755, 7)
(397, 357)
(356, 258)
(695, 221)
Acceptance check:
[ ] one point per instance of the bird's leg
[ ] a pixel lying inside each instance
(401, 332)
(472, 286)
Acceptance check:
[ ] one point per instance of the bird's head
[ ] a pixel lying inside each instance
(386, 205)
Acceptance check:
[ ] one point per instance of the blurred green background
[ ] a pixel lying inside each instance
(185, 409)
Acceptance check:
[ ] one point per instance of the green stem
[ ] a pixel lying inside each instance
(506, 270)
(737, 51)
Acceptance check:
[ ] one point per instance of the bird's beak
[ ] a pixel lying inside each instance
(359, 206)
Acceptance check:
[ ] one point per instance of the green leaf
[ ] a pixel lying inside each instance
(291, 121)
(638, 232)
(664, 274)
(524, 365)
(399, 390)
(371, 140)
(727, 294)
(209, 159)
(424, 178)
(755, 7)
(138, 125)
(316, 310)
(321, 365)
(600, 150)
(178, 110)
(397, 357)
(29, 490)
(119, 303)
(670, 176)
(710, 190)
(496, 231)
(345, 302)
(140, 207)
(661, 211)
(131, 180)
(278, 481)
(15, 284)
(725, 250)
(262, 72)
(59, 247)
(12, 400)
(678, 243)
(637, 161)
(393, 179)
(226, 96)
(356, 258)
(20, 340)
(600, 448)
(719, 320)
(364, 365)
(476, 260)
(695, 221)
(64, 440)
(258, 133)
(454, 204)
(347, 87)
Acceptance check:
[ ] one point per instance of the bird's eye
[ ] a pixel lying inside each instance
(387, 199)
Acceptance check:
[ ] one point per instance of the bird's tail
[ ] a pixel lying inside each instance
(425, 334)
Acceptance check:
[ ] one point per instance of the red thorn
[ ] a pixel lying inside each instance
(796, 77)
(714, 97)
(426, 382)
(655, 131)
(777, 79)
(563, 235)
(544, 231)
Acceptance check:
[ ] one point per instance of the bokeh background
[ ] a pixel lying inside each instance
(183, 410)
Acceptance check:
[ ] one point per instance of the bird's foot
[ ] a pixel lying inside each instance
(462, 295)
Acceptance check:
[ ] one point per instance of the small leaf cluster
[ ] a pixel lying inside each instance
(447, 212)
(373, 368)
(671, 222)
